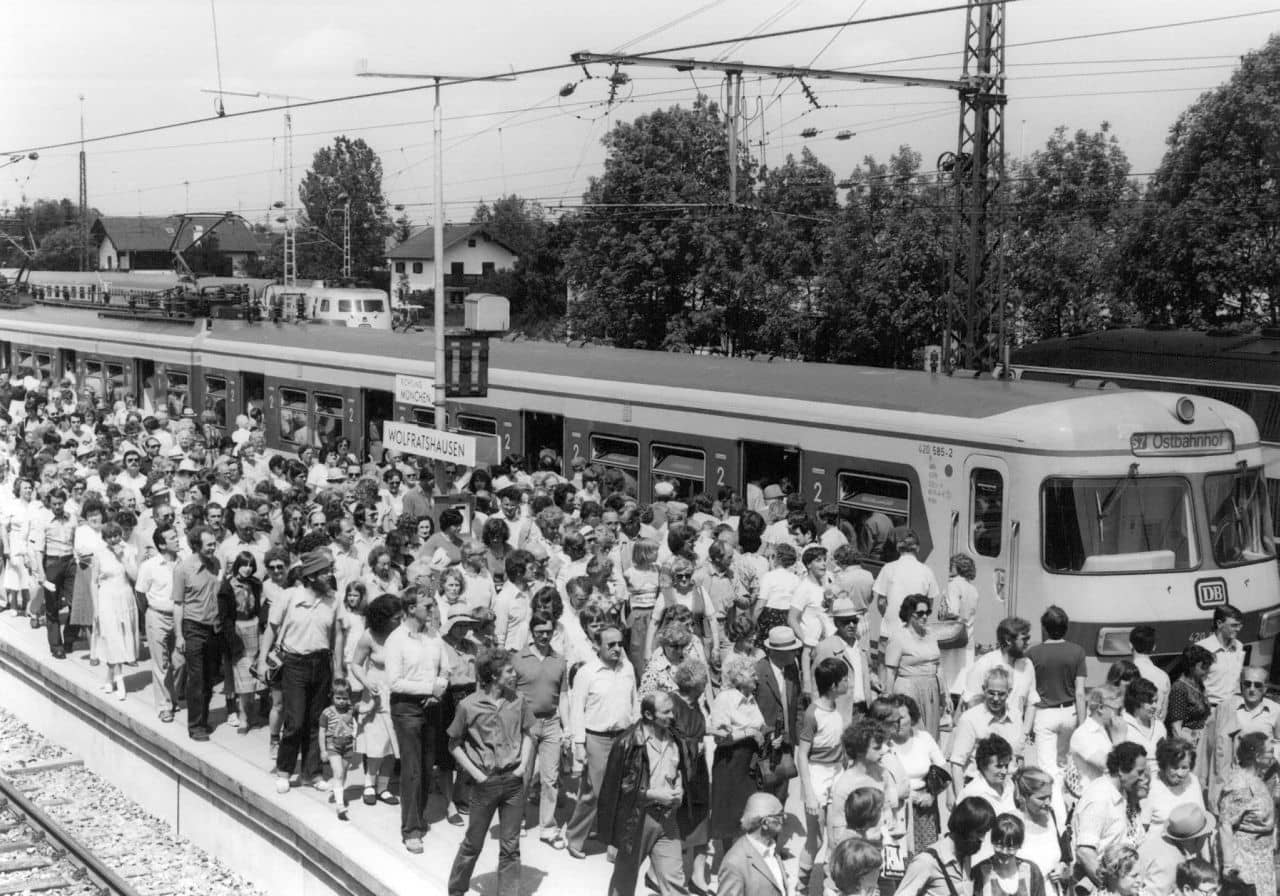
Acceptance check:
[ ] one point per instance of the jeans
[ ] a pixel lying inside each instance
(167, 668)
(659, 842)
(547, 737)
(416, 733)
(504, 794)
(61, 573)
(203, 649)
(305, 680)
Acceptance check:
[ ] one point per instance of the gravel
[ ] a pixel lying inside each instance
(137, 845)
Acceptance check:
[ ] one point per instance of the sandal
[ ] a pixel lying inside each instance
(555, 841)
(389, 798)
(370, 796)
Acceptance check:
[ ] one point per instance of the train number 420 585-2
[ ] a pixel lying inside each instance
(929, 449)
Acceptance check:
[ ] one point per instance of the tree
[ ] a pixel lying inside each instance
(34, 222)
(635, 251)
(59, 250)
(887, 266)
(1067, 203)
(348, 172)
(535, 285)
(1207, 242)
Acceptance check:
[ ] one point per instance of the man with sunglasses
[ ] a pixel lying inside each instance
(1246, 712)
(604, 703)
(753, 866)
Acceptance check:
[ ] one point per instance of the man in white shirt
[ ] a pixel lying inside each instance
(479, 589)
(513, 607)
(1102, 817)
(604, 703)
(1092, 742)
(903, 577)
(1143, 641)
(1247, 712)
(991, 716)
(1228, 654)
(155, 585)
(1013, 635)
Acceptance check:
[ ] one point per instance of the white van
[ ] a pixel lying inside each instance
(369, 308)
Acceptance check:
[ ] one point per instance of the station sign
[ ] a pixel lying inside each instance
(431, 443)
(417, 390)
(1181, 444)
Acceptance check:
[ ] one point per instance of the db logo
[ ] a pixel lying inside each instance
(1211, 593)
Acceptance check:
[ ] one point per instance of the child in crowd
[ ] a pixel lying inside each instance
(338, 742)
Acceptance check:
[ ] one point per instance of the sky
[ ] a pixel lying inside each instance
(144, 63)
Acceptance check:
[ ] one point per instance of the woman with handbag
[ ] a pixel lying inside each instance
(1046, 843)
(911, 661)
(926, 771)
(739, 730)
(959, 606)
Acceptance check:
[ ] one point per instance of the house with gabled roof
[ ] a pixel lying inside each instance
(470, 252)
(146, 243)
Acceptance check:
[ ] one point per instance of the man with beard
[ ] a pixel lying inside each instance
(1109, 808)
(306, 628)
(198, 626)
(944, 868)
(1013, 636)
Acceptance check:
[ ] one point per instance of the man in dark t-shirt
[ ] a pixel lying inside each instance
(1060, 672)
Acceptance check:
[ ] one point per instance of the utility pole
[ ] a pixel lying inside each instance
(733, 109)
(975, 335)
(84, 197)
(346, 239)
(437, 142)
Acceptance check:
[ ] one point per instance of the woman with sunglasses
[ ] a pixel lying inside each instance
(684, 591)
(912, 661)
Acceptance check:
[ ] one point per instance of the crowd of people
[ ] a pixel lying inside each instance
(657, 677)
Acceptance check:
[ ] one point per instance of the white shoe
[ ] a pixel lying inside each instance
(121, 693)
(107, 688)
(233, 720)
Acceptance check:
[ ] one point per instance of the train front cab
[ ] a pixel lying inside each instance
(1162, 533)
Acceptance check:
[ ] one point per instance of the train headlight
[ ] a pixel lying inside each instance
(1114, 642)
(1185, 410)
(1269, 625)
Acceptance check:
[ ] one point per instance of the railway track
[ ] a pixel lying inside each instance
(63, 830)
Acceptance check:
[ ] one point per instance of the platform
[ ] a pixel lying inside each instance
(221, 794)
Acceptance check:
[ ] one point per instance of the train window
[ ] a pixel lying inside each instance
(329, 418)
(344, 306)
(178, 393)
(488, 450)
(1239, 517)
(986, 492)
(215, 399)
(424, 417)
(374, 306)
(293, 417)
(25, 362)
(874, 506)
(44, 366)
(481, 426)
(685, 468)
(1120, 524)
(324, 306)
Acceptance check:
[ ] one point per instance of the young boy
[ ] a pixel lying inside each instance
(338, 742)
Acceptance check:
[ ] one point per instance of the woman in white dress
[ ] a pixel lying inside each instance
(18, 578)
(960, 604)
(111, 576)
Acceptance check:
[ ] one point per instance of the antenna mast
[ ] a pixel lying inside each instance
(84, 197)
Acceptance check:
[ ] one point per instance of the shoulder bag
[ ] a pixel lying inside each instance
(951, 887)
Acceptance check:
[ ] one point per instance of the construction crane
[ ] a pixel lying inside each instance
(974, 303)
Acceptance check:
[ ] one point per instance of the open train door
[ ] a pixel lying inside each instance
(986, 533)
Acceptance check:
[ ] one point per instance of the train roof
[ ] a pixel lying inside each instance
(828, 383)
(1181, 354)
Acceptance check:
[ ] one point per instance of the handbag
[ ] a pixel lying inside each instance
(950, 634)
(936, 780)
(1072, 783)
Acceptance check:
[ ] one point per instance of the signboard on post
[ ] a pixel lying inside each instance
(416, 390)
(432, 443)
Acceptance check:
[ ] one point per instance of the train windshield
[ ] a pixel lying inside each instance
(373, 306)
(1239, 517)
(1128, 524)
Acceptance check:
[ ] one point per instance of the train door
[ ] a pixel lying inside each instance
(543, 431)
(990, 538)
(379, 407)
(146, 388)
(765, 464)
(253, 391)
(67, 362)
